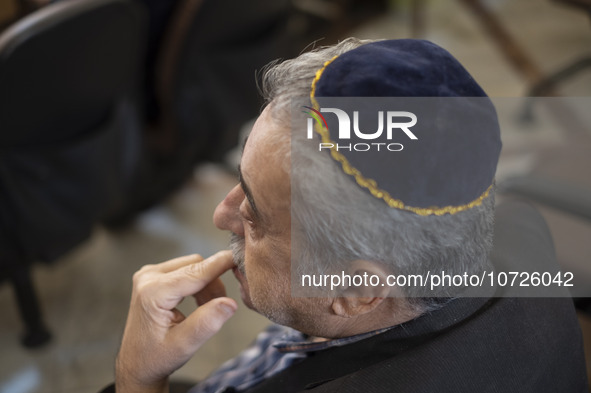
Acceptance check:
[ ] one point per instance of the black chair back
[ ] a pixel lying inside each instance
(67, 74)
(70, 134)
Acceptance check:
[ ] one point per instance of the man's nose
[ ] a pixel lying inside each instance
(227, 215)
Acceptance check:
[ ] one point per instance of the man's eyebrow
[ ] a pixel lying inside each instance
(248, 193)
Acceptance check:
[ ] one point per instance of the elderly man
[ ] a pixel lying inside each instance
(310, 206)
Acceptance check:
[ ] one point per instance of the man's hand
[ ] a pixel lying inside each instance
(158, 338)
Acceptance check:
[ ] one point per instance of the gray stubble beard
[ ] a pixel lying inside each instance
(237, 247)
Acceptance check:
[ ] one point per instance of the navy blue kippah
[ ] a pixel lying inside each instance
(451, 165)
(397, 68)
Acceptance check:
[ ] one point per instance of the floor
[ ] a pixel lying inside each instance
(85, 295)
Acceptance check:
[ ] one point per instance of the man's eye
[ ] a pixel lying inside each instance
(247, 218)
(245, 215)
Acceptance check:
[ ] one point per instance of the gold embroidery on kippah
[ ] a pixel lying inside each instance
(370, 184)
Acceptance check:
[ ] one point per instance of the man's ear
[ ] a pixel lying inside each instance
(365, 290)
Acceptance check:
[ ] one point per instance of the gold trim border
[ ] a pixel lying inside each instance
(370, 184)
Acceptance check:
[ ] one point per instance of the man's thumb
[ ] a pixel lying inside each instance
(204, 322)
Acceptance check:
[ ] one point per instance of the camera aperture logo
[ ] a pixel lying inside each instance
(392, 128)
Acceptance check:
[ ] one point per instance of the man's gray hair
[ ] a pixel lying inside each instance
(335, 221)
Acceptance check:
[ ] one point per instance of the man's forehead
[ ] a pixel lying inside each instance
(260, 127)
(256, 143)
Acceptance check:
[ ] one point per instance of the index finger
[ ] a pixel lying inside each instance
(176, 263)
(192, 278)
